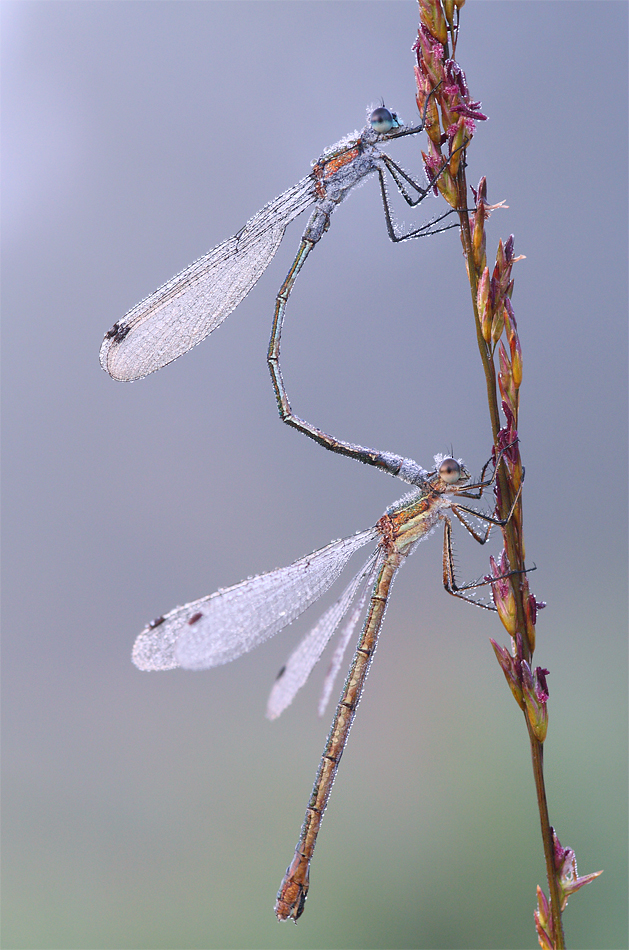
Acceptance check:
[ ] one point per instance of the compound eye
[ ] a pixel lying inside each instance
(450, 471)
(381, 120)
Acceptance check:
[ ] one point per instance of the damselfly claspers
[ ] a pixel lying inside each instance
(185, 310)
(223, 626)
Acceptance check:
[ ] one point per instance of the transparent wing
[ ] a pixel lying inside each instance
(346, 635)
(221, 627)
(302, 660)
(183, 311)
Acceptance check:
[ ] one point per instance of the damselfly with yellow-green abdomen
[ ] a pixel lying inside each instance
(223, 626)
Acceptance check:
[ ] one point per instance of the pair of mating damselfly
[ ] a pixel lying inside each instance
(222, 626)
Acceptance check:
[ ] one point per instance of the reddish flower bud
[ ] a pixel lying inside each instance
(505, 362)
(457, 88)
(514, 340)
(535, 692)
(567, 874)
(456, 78)
(533, 606)
(431, 16)
(502, 593)
(508, 666)
(440, 175)
(516, 361)
(460, 138)
(479, 238)
(430, 56)
(427, 106)
(479, 253)
(498, 325)
(508, 389)
(484, 305)
(508, 436)
(542, 685)
(543, 906)
(480, 194)
(543, 922)
(502, 271)
(450, 92)
(501, 275)
(531, 637)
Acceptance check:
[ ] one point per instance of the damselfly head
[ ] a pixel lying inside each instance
(451, 471)
(383, 121)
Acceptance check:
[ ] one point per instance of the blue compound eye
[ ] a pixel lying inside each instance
(382, 120)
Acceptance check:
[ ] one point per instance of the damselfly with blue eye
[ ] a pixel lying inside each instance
(223, 626)
(185, 310)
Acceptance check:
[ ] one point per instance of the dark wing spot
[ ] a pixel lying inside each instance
(195, 618)
(156, 622)
(280, 674)
(117, 333)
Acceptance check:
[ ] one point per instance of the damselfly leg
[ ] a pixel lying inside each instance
(182, 312)
(222, 626)
(402, 527)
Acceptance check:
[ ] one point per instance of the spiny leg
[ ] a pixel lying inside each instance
(425, 229)
(401, 177)
(500, 522)
(396, 465)
(449, 573)
(476, 490)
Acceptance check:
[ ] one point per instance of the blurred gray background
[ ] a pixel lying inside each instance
(160, 810)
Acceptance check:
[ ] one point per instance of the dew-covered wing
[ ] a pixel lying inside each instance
(185, 310)
(221, 627)
(308, 652)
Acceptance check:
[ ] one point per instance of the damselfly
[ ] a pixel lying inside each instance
(223, 626)
(185, 310)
